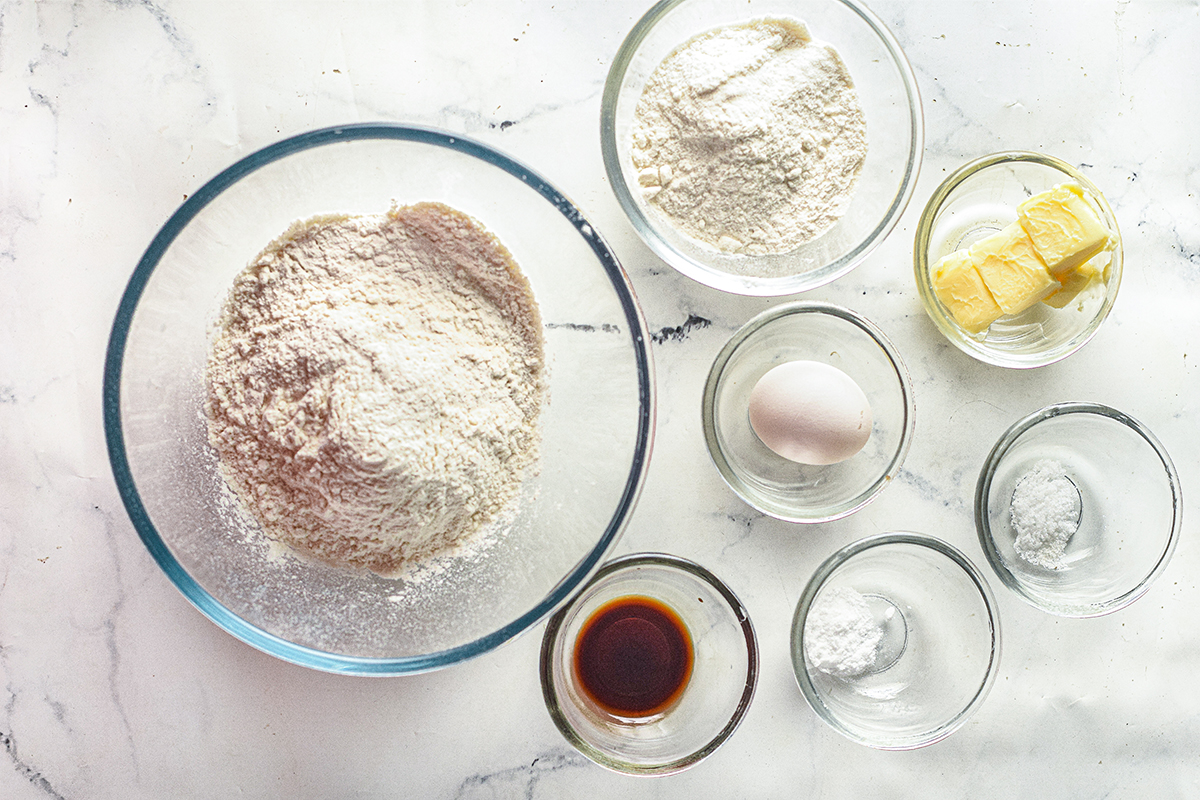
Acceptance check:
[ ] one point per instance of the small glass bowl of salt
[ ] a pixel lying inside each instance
(1078, 509)
(896, 641)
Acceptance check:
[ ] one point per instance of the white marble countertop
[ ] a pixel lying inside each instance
(113, 686)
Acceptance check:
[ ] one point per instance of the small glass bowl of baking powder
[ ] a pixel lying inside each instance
(894, 129)
(1078, 509)
(595, 636)
(980, 199)
(807, 331)
(896, 640)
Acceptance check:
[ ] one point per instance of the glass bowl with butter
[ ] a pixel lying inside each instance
(844, 359)
(1078, 509)
(1018, 259)
(730, 180)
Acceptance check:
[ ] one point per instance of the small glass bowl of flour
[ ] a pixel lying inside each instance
(1078, 509)
(896, 640)
(763, 150)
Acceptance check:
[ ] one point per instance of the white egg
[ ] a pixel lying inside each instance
(810, 412)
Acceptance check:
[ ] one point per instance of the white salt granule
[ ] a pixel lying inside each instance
(841, 637)
(1045, 514)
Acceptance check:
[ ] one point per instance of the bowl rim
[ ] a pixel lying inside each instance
(983, 490)
(817, 581)
(199, 597)
(740, 284)
(716, 372)
(924, 234)
(546, 664)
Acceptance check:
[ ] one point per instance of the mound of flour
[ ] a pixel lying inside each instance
(750, 138)
(375, 384)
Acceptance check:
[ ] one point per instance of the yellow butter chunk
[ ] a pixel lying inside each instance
(1063, 227)
(1012, 270)
(1074, 282)
(960, 288)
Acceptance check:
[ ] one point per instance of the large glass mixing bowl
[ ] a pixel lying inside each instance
(596, 428)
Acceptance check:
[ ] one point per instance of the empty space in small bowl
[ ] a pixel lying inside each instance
(887, 91)
(716, 696)
(980, 199)
(807, 332)
(1129, 515)
(939, 649)
(595, 429)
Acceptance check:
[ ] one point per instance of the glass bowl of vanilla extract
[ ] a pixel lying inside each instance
(651, 667)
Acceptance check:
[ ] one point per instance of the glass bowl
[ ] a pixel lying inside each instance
(976, 201)
(887, 90)
(596, 429)
(714, 699)
(807, 331)
(937, 642)
(1123, 520)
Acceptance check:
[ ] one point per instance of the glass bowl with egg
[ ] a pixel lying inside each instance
(895, 642)
(808, 412)
(1078, 509)
(1018, 259)
(651, 667)
(771, 180)
(515, 566)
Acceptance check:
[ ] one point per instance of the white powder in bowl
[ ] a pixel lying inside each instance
(375, 384)
(1045, 513)
(750, 138)
(841, 636)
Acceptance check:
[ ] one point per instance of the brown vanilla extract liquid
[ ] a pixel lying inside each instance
(633, 657)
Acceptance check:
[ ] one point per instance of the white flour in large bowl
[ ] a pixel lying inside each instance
(375, 384)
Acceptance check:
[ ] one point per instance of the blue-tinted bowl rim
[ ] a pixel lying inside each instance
(114, 434)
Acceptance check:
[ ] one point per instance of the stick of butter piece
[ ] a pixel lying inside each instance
(1063, 227)
(1073, 283)
(1012, 270)
(960, 288)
